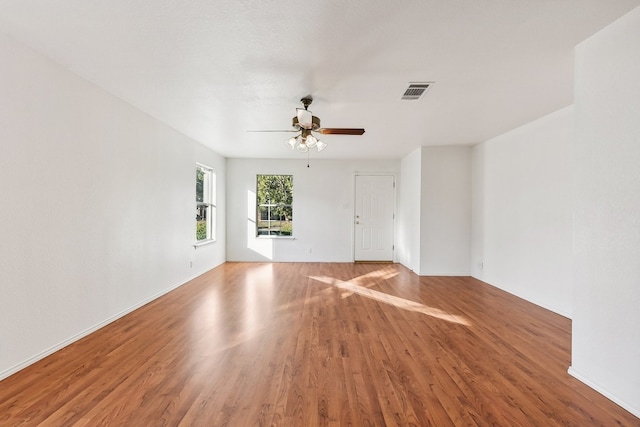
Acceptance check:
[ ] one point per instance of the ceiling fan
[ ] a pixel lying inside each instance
(306, 123)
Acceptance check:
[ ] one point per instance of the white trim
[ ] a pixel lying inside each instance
(625, 405)
(203, 243)
(203, 166)
(39, 356)
(447, 274)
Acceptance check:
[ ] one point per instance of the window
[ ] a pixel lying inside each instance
(274, 205)
(205, 204)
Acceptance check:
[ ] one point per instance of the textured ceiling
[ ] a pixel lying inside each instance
(215, 69)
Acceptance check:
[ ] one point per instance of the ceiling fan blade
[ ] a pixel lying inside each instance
(288, 130)
(340, 131)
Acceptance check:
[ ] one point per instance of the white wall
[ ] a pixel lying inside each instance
(477, 210)
(434, 213)
(445, 211)
(97, 211)
(408, 223)
(606, 320)
(522, 212)
(323, 210)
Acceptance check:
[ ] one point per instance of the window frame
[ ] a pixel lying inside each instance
(208, 203)
(269, 205)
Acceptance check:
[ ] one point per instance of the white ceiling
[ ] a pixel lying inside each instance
(215, 69)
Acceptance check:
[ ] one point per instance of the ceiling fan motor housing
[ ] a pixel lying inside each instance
(315, 124)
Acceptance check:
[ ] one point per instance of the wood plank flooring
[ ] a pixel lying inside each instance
(316, 344)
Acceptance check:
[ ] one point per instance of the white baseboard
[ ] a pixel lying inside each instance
(625, 405)
(30, 361)
(447, 274)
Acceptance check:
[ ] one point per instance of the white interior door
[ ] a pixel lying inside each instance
(374, 216)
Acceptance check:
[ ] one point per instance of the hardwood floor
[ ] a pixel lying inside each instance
(316, 344)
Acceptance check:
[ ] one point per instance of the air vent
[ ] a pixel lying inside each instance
(416, 90)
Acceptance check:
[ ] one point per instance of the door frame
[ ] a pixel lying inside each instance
(353, 213)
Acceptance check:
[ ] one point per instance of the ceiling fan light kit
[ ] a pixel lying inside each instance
(305, 122)
(305, 141)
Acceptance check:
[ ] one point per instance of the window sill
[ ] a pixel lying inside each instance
(203, 243)
(276, 237)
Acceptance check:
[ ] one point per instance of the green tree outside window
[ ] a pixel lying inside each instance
(274, 205)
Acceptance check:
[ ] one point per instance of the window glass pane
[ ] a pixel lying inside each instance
(264, 220)
(275, 189)
(202, 223)
(199, 184)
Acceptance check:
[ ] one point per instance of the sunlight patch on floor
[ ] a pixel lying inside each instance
(352, 287)
(368, 280)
